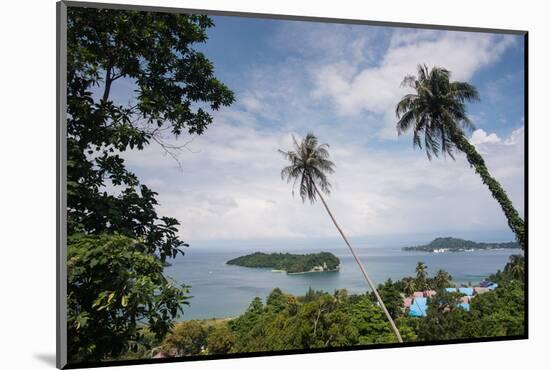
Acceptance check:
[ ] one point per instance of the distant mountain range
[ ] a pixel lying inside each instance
(449, 244)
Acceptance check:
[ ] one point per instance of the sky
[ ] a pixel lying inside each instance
(342, 83)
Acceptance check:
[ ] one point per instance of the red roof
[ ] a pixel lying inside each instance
(480, 290)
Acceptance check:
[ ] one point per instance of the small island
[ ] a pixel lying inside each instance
(449, 244)
(290, 263)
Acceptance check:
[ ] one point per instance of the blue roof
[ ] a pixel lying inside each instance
(421, 301)
(493, 286)
(450, 290)
(418, 308)
(467, 291)
(465, 306)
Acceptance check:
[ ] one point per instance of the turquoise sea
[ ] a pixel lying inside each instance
(220, 290)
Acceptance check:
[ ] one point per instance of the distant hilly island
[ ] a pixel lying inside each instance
(449, 244)
(289, 263)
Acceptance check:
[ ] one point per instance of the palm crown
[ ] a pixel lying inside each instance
(309, 165)
(436, 110)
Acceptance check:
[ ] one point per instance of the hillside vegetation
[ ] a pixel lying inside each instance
(291, 263)
(458, 245)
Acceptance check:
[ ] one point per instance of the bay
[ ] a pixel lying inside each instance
(220, 290)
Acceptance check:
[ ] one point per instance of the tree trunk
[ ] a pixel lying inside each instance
(515, 222)
(369, 281)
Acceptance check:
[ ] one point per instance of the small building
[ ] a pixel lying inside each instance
(407, 302)
(481, 290)
(465, 306)
(469, 291)
(429, 293)
(493, 286)
(450, 290)
(418, 294)
(465, 299)
(418, 307)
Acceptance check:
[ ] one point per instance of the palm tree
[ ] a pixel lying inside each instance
(442, 279)
(409, 285)
(421, 275)
(436, 110)
(309, 165)
(516, 267)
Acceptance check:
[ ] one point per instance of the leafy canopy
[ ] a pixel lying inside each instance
(291, 263)
(118, 244)
(114, 287)
(173, 88)
(186, 338)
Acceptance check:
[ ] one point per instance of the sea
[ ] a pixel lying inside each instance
(219, 290)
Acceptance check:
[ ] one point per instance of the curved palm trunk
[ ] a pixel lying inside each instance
(369, 281)
(476, 160)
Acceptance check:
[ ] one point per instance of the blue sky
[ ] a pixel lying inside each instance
(342, 83)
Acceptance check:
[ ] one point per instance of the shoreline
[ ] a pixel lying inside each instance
(311, 272)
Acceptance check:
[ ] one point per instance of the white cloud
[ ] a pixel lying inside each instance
(376, 89)
(480, 137)
(231, 188)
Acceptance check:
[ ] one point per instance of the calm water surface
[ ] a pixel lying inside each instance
(220, 290)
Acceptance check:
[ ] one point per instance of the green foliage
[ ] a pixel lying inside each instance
(291, 263)
(458, 245)
(421, 275)
(441, 280)
(408, 328)
(322, 320)
(496, 313)
(370, 322)
(515, 222)
(436, 111)
(316, 320)
(116, 283)
(445, 319)
(515, 268)
(143, 348)
(187, 338)
(113, 285)
(408, 285)
(154, 54)
(391, 295)
(220, 340)
(499, 313)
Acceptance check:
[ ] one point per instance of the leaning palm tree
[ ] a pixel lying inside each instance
(309, 165)
(436, 110)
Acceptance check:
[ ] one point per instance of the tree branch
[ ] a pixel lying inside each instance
(108, 82)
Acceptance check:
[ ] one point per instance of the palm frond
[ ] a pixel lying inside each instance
(308, 168)
(436, 110)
